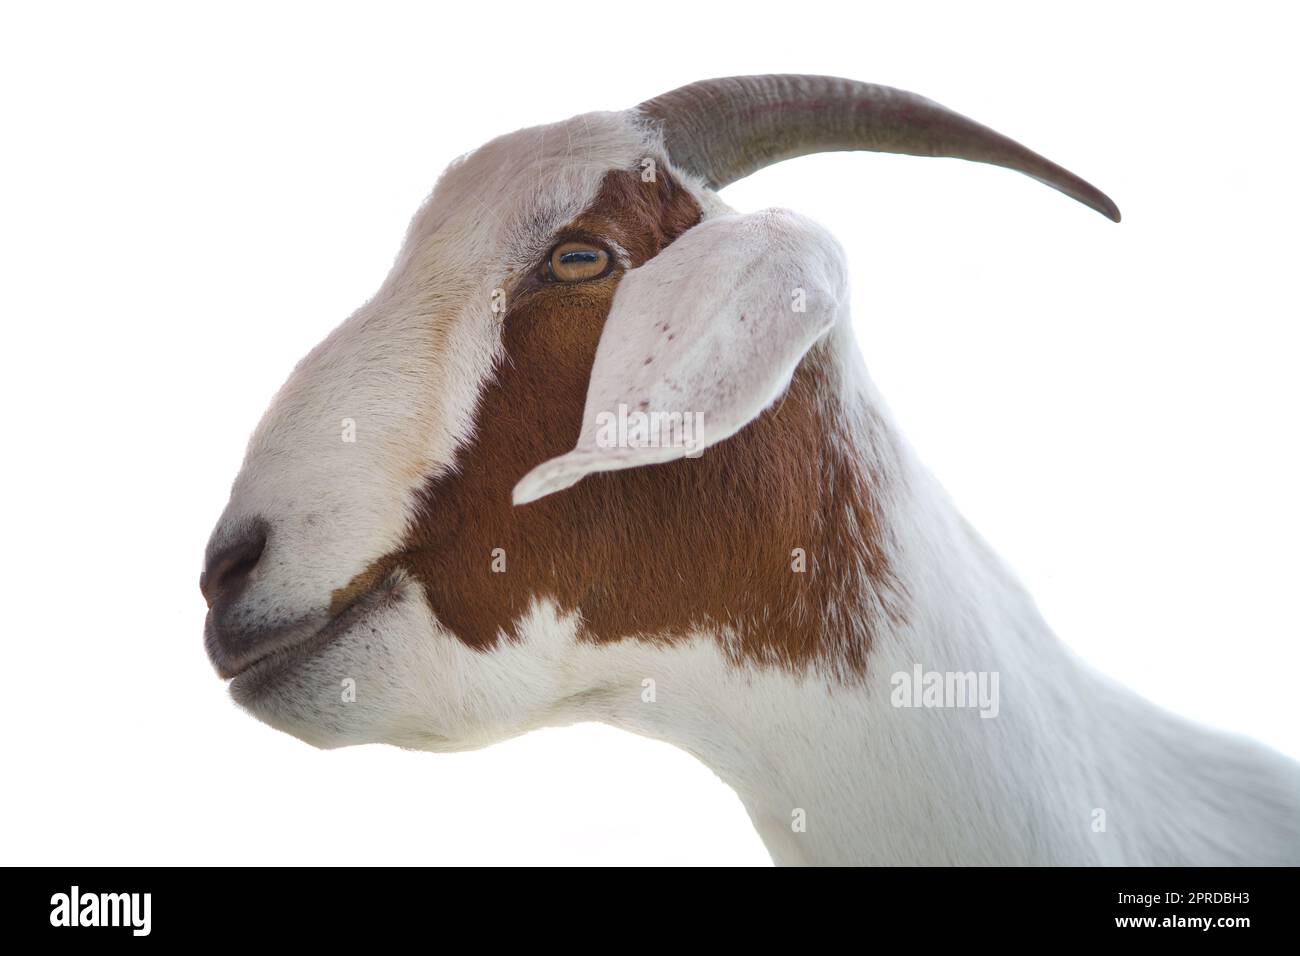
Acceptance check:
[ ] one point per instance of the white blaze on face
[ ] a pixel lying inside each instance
(402, 376)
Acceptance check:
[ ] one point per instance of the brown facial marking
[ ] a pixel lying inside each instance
(653, 552)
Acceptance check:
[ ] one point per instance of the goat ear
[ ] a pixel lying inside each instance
(699, 341)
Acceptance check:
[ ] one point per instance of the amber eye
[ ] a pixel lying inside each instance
(576, 261)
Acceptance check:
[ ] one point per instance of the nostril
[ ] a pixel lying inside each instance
(228, 568)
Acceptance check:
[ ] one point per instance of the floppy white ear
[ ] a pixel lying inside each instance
(699, 341)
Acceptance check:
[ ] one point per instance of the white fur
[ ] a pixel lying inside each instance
(875, 783)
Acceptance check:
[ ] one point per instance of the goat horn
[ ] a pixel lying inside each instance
(722, 130)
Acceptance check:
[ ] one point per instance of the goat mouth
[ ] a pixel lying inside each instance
(298, 642)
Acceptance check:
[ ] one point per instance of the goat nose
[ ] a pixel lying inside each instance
(229, 567)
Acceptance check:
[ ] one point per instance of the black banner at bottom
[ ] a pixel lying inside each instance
(1226, 906)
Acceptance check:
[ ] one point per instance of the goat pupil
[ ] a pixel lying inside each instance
(581, 256)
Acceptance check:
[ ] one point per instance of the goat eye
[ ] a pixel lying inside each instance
(576, 261)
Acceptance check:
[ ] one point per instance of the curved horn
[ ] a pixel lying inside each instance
(722, 130)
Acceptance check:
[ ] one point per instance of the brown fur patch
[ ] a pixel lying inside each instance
(651, 552)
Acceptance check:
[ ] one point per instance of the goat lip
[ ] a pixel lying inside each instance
(296, 642)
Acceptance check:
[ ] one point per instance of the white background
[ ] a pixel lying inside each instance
(192, 199)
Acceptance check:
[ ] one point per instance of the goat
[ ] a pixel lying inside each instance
(455, 524)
